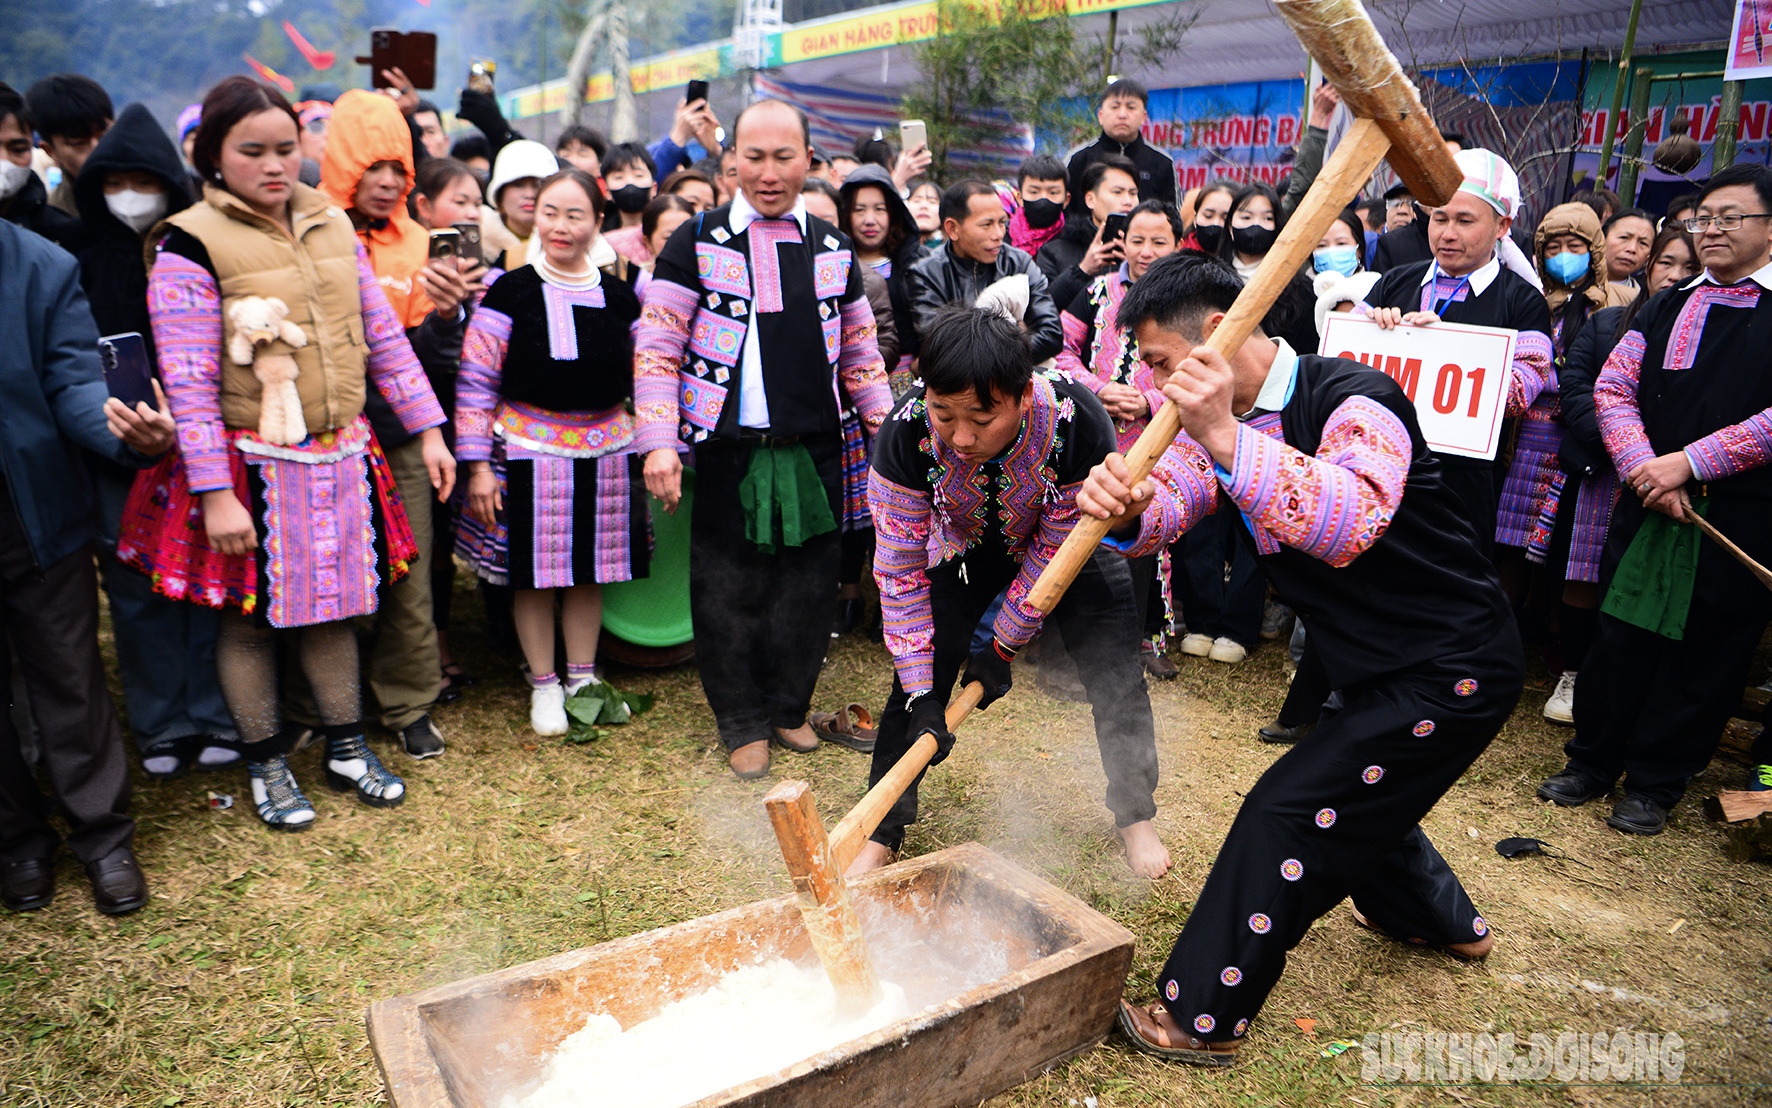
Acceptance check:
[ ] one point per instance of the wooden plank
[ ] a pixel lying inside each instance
(1361, 149)
(823, 896)
(1737, 805)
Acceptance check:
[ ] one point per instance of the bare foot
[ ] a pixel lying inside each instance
(871, 858)
(1145, 853)
(802, 739)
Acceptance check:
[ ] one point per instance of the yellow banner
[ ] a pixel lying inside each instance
(908, 23)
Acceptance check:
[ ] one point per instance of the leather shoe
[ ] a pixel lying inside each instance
(801, 740)
(1572, 788)
(1637, 814)
(117, 882)
(750, 761)
(27, 885)
(1277, 732)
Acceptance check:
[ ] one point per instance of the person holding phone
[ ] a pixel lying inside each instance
(1088, 248)
(54, 414)
(165, 649)
(251, 526)
(694, 133)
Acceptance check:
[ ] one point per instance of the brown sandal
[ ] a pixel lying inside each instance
(1146, 1034)
(853, 727)
(1464, 952)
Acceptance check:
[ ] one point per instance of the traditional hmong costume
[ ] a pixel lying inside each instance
(332, 522)
(1575, 516)
(953, 535)
(753, 331)
(1413, 629)
(1681, 618)
(1098, 351)
(1492, 296)
(546, 381)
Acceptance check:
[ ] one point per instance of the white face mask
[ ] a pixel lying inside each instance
(12, 178)
(137, 210)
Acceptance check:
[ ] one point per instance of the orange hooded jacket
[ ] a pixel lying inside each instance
(367, 128)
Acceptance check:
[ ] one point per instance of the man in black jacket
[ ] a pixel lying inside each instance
(1121, 113)
(23, 198)
(975, 257)
(1078, 255)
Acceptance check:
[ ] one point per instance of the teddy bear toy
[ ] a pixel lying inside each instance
(262, 338)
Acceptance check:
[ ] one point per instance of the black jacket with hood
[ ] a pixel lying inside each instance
(910, 250)
(113, 269)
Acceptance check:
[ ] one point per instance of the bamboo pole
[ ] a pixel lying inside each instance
(1722, 149)
(1632, 162)
(1618, 83)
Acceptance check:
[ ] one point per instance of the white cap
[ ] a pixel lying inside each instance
(1489, 178)
(517, 160)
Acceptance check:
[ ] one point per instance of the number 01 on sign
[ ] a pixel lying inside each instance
(1456, 375)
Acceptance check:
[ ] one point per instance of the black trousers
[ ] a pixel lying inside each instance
(1100, 626)
(1338, 815)
(1210, 604)
(1652, 709)
(762, 621)
(1473, 483)
(51, 619)
(1309, 689)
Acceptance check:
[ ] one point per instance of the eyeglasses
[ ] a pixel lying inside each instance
(1730, 222)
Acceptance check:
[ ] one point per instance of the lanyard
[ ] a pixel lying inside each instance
(1433, 283)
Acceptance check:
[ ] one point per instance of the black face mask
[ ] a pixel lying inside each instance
(1254, 239)
(1041, 213)
(1209, 235)
(631, 198)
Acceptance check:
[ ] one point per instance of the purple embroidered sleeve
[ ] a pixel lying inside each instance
(1184, 490)
(901, 569)
(393, 367)
(1615, 404)
(1335, 505)
(477, 388)
(860, 367)
(666, 316)
(1070, 356)
(1736, 448)
(1534, 371)
(184, 306)
(1018, 621)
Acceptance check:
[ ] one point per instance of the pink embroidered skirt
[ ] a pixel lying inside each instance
(331, 527)
(575, 510)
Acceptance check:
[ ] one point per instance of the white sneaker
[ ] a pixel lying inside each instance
(1199, 646)
(547, 710)
(1229, 651)
(1560, 708)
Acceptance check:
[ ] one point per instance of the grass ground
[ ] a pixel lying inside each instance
(245, 981)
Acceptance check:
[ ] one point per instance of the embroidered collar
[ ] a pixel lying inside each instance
(1480, 278)
(1276, 390)
(743, 215)
(1761, 277)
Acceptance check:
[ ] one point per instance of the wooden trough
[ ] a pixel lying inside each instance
(471, 1043)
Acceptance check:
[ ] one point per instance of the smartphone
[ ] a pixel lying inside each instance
(413, 53)
(469, 246)
(697, 90)
(127, 372)
(912, 134)
(480, 75)
(445, 243)
(1115, 227)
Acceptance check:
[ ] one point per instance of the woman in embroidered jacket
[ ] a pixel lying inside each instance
(544, 422)
(1101, 356)
(294, 531)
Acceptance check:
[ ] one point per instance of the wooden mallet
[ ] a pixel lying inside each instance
(1390, 123)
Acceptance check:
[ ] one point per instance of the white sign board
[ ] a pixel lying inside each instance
(1456, 375)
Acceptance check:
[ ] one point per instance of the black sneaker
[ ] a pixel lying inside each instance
(1572, 788)
(1638, 815)
(421, 738)
(1279, 733)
